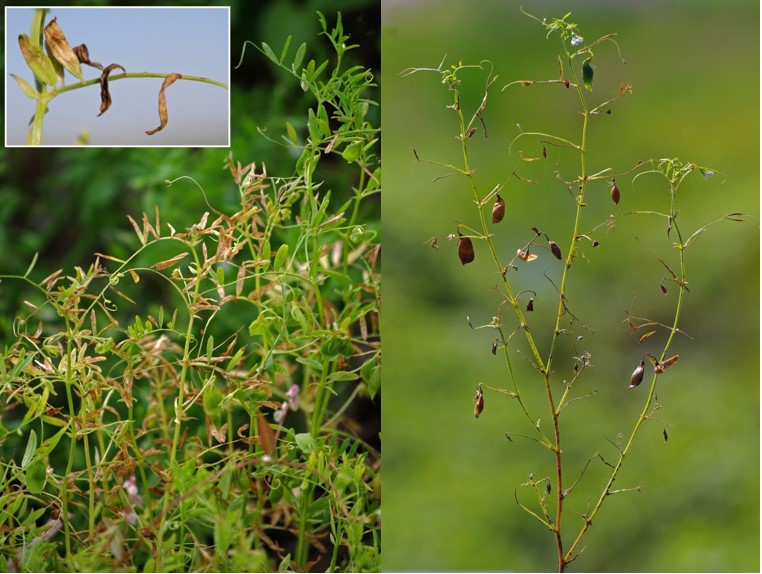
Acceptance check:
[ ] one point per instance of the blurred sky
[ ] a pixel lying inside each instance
(192, 41)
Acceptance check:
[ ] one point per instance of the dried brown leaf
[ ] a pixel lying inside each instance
(169, 262)
(84, 56)
(61, 50)
(266, 434)
(163, 118)
(105, 95)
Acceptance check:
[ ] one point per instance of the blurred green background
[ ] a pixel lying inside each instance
(449, 479)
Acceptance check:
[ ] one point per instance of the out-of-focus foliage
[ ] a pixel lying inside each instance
(450, 479)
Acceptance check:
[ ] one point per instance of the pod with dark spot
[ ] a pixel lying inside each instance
(637, 375)
(478, 402)
(587, 75)
(498, 210)
(615, 195)
(555, 249)
(465, 249)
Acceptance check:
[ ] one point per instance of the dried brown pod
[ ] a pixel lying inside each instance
(470, 132)
(105, 94)
(615, 195)
(465, 249)
(663, 288)
(494, 347)
(84, 56)
(530, 305)
(666, 436)
(163, 117)
(637, 375)
(544, 153)
(478, 402)
(555, 249)
(498, 210)
(525, 255)
(547, 488)
(61, 50)
(666, 364)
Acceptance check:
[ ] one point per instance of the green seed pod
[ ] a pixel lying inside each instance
(637, 375)
(615, 195)
(465, 249)
(498, 210)
(587, 75)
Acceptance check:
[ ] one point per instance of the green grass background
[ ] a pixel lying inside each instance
(449, 479)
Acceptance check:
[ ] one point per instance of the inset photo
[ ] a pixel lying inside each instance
(117, 77)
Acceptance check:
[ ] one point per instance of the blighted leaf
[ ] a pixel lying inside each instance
(105, 95)
(84, 56)
(587, 75)
(266, 434)
(28, 90)
(61, 50)
(168, 81)
(37, 60)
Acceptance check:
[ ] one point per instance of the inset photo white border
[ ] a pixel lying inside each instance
(150, 43)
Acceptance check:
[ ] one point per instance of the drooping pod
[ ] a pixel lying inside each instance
(637, 375)
(478, 402)
(498, 210)
(615, 195)
(465, 249)
(555, 250)
(587, 75)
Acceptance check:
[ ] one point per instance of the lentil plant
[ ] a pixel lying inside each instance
(228, 423)
(536, 318)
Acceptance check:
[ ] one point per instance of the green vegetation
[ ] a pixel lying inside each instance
(201, 396)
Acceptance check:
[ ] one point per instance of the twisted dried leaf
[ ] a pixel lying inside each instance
(61, 50)
(105, 95)
(168, 81)
(84, 56)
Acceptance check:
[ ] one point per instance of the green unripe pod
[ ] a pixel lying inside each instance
(587, 74)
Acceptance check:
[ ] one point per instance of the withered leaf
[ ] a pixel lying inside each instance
(266, 435)
(61, 50)
(168, 81)
(84, 56)
(105, 95)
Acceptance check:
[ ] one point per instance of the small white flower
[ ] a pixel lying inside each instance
(576, 40)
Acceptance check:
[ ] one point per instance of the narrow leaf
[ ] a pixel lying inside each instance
(28, 90)
(31, 447)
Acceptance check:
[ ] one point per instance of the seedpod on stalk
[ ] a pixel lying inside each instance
(637, 374)
(478, 402)
(465, 249)
(555, 249)
(498, 210)
(615, 195)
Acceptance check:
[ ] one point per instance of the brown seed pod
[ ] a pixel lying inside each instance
(615, 195)
(555, 249)
(478, 402)
(530, 305)
(494, 347)
(465, 249)
(525, 255)
(666, 364)
(498, 210)
(637, 375)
